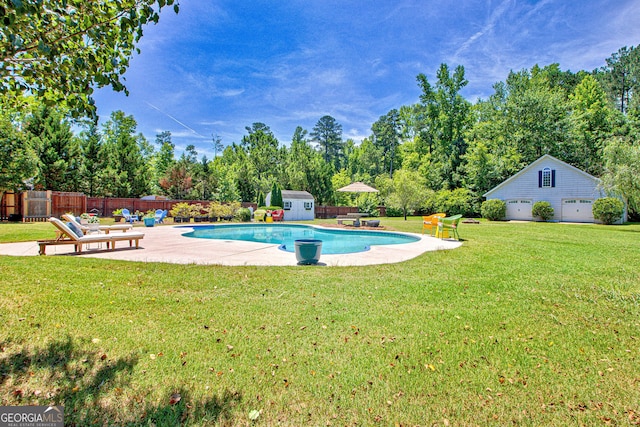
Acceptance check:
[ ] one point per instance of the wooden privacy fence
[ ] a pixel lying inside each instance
(32, 206)
(40, 205)
(325, 212)
(11, 207)
(104, 206)
(61, 203)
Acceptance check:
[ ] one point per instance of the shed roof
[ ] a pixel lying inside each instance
(291, 194)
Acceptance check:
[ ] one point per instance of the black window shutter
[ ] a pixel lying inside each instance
(553, 177)
(540, 179)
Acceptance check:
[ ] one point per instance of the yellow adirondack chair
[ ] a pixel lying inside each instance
(431, 222)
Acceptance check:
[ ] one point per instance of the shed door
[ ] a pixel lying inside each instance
(519, 209)
(577, 210)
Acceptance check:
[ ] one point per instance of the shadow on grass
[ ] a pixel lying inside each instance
(93, 388)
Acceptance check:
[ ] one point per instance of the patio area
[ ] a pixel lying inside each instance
(166, 244)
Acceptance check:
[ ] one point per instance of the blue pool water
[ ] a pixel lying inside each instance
(333, 241)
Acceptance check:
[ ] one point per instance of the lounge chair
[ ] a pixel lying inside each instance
(128, 217)
(448, 225)
(86, 229)
(430, 222)
(73, 235)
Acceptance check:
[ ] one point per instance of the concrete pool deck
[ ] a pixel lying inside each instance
(166, 244)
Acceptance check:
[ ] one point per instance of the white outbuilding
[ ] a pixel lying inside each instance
(570, 191)
(298, 205)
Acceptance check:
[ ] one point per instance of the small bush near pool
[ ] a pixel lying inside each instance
(608, 209)
(493, 209)
(243, 214)
(543, 210)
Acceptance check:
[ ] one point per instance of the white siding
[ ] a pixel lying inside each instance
(298, 210)
(570, 183)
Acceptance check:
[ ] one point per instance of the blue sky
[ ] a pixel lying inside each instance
(219, 66)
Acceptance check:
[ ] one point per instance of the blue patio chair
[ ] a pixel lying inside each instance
(128, 217)
(160, 216)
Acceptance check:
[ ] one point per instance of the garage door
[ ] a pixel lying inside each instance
(519, 209)
(577, 210)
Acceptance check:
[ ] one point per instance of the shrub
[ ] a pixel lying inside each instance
(393, 211)
(181, 209)
(543, 210)
(608, 209)
(228, 211)
(276, 195)
(494, 209)
(243, 215)
(214, 210)
(452, 202)
(368, 203)
(198, 210)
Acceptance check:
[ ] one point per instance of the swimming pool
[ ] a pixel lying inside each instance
(284, 235)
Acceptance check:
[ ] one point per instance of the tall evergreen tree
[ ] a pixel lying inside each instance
(621, 77)
(261, 147)
(165, 156)
(58, 151)
(127, 173)
(327, 133)
(92, 161)
(217, 145)
(276, 195)
(386, 136)
(18, 160)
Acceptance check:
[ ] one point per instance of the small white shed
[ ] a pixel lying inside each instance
(298, 205)
(570, 191)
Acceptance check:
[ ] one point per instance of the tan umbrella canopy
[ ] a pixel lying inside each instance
(357, 187)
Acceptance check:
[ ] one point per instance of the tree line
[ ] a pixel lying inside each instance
(441, 153)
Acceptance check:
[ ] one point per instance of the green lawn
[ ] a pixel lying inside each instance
(527, 324)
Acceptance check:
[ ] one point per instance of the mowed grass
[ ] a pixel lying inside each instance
(526, 324)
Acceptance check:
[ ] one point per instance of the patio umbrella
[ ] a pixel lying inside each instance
(357, 187)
